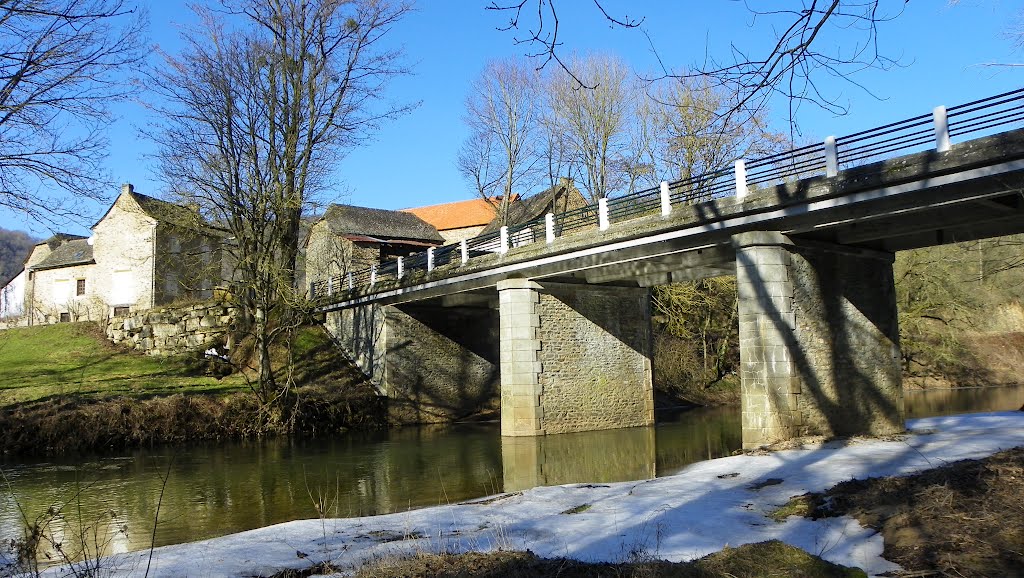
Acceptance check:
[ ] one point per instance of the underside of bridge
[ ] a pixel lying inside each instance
(436, 361)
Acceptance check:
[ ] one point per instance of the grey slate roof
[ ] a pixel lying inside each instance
(170, 213)
(73, 252)
(167, 212)
(379, 223)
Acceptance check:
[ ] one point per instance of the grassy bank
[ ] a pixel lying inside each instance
(65, 388)
(73, 360)
(961, 519)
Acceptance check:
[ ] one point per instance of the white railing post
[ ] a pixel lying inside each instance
(549, 228)
(941, 129)
(741, 179)
(430, 258)
(503, 248)
(602, 213)
(831, 157)
(666, 200)
(351, 282)
(330, 287)
(373, 275)
(401, 267)
(464, 249)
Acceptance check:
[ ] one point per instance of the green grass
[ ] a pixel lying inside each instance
(74, 360)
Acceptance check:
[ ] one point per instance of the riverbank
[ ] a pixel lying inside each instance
(65, 389)
(664, 518)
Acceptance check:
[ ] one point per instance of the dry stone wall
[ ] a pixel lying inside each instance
(173, 330)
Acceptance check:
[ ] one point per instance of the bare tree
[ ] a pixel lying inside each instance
(691, 133)
(596, 120)
(62, 63)
(501, 155)
(255, 119)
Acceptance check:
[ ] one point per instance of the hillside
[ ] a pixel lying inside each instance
(14, 248)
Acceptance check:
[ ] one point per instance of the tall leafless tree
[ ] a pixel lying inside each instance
(62, 64)
(257, 110)
(500, 156)
(689, 133)
(596, 120)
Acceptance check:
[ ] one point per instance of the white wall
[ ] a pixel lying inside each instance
(12, 297)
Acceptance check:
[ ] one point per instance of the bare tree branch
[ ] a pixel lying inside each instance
(807, 46)
(62, 64)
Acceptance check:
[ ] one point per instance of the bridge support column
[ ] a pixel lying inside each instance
(573, 357)
(819, 340)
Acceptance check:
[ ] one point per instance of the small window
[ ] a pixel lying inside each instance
(120, 311)
(65, 317)
(80, 287)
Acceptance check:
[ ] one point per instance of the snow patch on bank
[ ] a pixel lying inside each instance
(700, 510)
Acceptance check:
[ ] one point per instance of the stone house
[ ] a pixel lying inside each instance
(142, 253)
(349, 238)
(461, 219)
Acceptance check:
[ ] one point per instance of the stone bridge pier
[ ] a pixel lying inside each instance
(574, 357)
(819, 339)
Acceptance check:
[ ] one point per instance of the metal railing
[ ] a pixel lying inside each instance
(978, 118)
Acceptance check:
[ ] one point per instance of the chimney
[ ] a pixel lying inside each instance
(127, 189)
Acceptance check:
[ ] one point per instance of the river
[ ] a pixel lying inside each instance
(220, 489)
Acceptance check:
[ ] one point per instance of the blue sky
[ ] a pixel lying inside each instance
(941, 45)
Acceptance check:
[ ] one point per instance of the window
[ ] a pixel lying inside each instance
(120, 311)
(171, 285)
(80, 287)
(65, 317)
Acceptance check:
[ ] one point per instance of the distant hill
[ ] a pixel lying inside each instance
(14, 247)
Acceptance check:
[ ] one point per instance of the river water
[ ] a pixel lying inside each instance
(220, 489)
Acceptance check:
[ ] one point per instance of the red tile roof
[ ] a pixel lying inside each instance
(457, 215)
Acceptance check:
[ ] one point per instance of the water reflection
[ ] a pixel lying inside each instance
(964, 400)
(606, 456)
(217, 490)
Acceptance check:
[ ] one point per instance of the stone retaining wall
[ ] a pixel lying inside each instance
(173, 330)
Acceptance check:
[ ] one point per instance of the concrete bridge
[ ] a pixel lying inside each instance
(555, 313)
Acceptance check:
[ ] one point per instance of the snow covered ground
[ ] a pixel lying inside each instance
(698, 511)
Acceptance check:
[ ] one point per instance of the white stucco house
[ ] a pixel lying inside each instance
(142, 253)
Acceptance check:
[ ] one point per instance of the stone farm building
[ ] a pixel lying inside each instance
(142, 253)
(349, 238)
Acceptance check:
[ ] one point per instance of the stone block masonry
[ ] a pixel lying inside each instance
(574, 358)
(173, 330)
(819, 340)
(434, 364)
